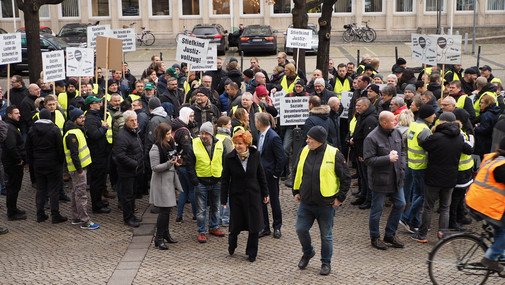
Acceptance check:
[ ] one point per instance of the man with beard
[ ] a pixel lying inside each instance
(71, 97)
(468, 81)
(204, 110)
(216, 74)
(172, 96)
(18, 90)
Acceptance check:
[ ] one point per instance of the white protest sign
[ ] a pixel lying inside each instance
(210, 62)
(346, 102)
(10, 47)
(53, 64)
(128, 37)
(424, 49)
(191, 50)
(299, 38)
(93, 31)
(276, 97)
(80, 62)
(294, 110)
(448, 49)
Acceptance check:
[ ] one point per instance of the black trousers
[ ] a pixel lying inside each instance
(127, 187)
(97, 183)
(252, 243)
(15, 174)
(162, 222)
(273, 189)
(48, 184)
(457, 210)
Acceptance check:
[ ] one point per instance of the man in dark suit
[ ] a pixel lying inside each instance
(273, 159)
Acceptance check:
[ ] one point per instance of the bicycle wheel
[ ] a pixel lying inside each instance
(456, 260)
(348, 36)
(148, 39)
(367, 36)
(374, 33)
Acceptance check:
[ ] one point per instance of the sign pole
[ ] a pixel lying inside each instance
(8, 84)
(443, 74)
(54, 88)
(79, 85)
(425, 74)
(106, 81)
(297, 58)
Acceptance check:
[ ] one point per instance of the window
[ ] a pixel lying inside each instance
(373, 6)
(404, 6)
(464, 5)
(190, 7)
(282, 7)
(7, 9)
(343, 6)
(496, 5)
(99, 8)
(44, 11)
(220, 7)
(70, 9)
(251, 7)
(130, 8)
(431, 5)
(160, 7)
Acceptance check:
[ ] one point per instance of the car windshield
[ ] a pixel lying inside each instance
(73, 32)
(59, 43)
(204, 31)
(257, 31)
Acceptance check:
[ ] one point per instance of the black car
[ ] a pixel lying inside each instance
(258, 38)
(213, 32)
(74, 34)
(48, 42)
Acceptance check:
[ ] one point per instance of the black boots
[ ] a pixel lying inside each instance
(168, 238)
(159, 243)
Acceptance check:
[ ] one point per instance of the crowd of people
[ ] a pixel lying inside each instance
(214, 137)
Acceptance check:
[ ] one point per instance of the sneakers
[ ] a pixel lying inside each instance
(417, 237)
(202, 238)
(394, 241)
(493, 265)
(379, 244)
(408, 227)
(440, 235)
(217, 232)
(90, 226)
(178, 220)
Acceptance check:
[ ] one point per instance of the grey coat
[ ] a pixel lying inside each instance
(164, 181)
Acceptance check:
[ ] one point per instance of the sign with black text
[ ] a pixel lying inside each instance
(346, 102)
(94, 31)
(192, 50)
(294, 110)
(80, 62)
(299, 38)
(448, 49)
(10, 46)
(53, 64)
(424, 49)
(210, 62)
(128, 38)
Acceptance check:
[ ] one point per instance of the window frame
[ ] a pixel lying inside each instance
(413, 12)
(182, 16)
(18, 17)
(152, 16)
(260, 15)
(48, 12)
(383, 12)
(60, 12)
(281, 15)
(90, 12)
(211, 10)
(444, 9)
(487, 11)
(353, 10)
(120, 11)
(463, 12)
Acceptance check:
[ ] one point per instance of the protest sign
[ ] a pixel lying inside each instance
(346, 102)
(299, 38)
(53, 64)
(191, 50)
(276, 97)
(448, 49)
(128, 38)
(10, 47)
(210, 62)
(294, 110)
(109, 53)
(80, 62)
(94, 31)
(424, 49)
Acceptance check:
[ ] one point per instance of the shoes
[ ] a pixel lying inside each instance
(76, 222)
(42, 217)
(277, 233)
(159, 243)
(465, 221)
(20, 212)
(155, 210)
(394, 241)
(178, 220)
(440, 235)
(132, 223)
(289, 183)
(304, 261)
(231, 250)
(168, 238)
(457, 227)
(17, 217)
(202, 238)
(137, 219)
(493, 265)
(103, 210)
(64, 198)
(417, 237)
(3, 231)
(105, 204)
(358, 201)
(408, 227)
(90, 226)
(379, 244)
(56, 219)
(252, 258)
(217, 232)
(325, 269)
(264, 232)
(366, 205)
(109, 195)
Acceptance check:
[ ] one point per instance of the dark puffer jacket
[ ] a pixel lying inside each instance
(365, 124)
(129, 153)
(44, 146)
(318, 116)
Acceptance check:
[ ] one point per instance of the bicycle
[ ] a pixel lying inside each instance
(456, 259)
(185, 33)
(368, 28)
(363, 33)
(146, 37)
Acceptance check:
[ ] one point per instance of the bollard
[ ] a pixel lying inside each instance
(357, 60)
(161, 56)
(478, 57)
(241, 60)
(396, 53)
(466, 42)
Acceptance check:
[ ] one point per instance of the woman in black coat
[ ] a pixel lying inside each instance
(244, 183)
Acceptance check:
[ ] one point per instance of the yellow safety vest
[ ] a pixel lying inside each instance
(204, 167)
(339, 87)
(95, 88)
(352, 125)
(223, 137)
(465, 160)
(134, 97)
(63, 100)
(476, 104)
(461, 101)
(496, 80)
(234, 108)
(329, 182)
(109, 129)
(84, 155)
(59, 119)
(416, 155)
(454, 77)
(284, 84)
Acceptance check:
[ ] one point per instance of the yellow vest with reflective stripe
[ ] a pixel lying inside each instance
(204, 167)
(329, 183)
(59, 119)
(465, 160)
(352, 125)
(284, 84)
(95, 88)
(461, 101)
(416, 154)
(84, 155)
(109, 129)
(495, 80)
(476, 104)
(134, 97)
(234, 108)
(339, 87)
(455, 76)
(63, 100)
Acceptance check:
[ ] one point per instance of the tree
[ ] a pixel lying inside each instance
(30, 10)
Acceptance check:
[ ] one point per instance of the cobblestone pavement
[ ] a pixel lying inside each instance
(43, 253)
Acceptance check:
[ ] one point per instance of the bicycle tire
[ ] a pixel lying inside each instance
(456, 260)
(148, 39)
(348, 36)
(374, 33)
(367, 36)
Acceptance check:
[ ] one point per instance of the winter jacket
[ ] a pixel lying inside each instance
(73, 144)
(436, 89)
(183, 139)
(173, 97)
(216, 75)
(18, 95)
(27, 109)
(484, 132)
(234, 75)
(13, 148)
(318, 116)
(158, 116)
(44, 147)
(325, 95)
(129, 153)
(498, 133)
(164, 180)
(96, 137)
(209, 113)
(365, 124)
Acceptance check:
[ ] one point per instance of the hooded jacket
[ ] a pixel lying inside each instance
(158, 116)
(435, 88)
(484, 131)
(13, 147)
(129, 155)
(18, 95)
(44, 147)
(318, 116)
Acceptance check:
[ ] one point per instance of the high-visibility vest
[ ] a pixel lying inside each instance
(108, 96)
(109, 129)
(204, 166)
(84, 155)
(460, 103)
(495, 80)
(238, 128)
(223, 137)
(476, 104)
(416, 155)
(63, 100)
(352, 125)
(329, 182)
(59, 119)
(455, 75)
(134, 97)
(234, 108)
(339, 87)
(284, 84)
(95, 88)
(485, 195)
(465, 160)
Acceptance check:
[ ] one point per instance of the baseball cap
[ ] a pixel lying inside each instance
(149, 85)
(91, 99)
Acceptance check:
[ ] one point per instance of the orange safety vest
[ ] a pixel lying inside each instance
(485, 195)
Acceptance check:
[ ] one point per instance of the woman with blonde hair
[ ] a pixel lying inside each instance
(240, 121)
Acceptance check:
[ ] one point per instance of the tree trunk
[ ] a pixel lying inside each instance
(32, 29)
(323, 52)
(300, 21)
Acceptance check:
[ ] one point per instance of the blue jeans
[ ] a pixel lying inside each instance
(202, 193)
(189, 192)
(407, 185)
(394, 217)
(305, 219)
(495, 251)
(412, 216)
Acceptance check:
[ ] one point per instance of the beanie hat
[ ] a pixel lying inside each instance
(249, 73)
(72, 82)
(112, 81)
(208, 128)
(448, 117)
(184, 114)
(369, 66)
(398, 69)
(75, 113)
(300, 82)
(154, 103)
(261, 90)
(411, 87)
(379, 75)
(204, 90)
(319, 81)
(401, 61)
(233, 59)
(175, 65)
(375, 88)
(318, 133)
(470, 70)
(60, 83)
(425, 111)
(45, 114)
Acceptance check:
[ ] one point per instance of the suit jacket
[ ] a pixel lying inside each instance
(273, 157)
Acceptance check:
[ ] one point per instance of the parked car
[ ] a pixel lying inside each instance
(48, 42)
(213, 32)
(43, 29)
(74, 34)
(258, 38)
(315, 40)
(234, 37)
